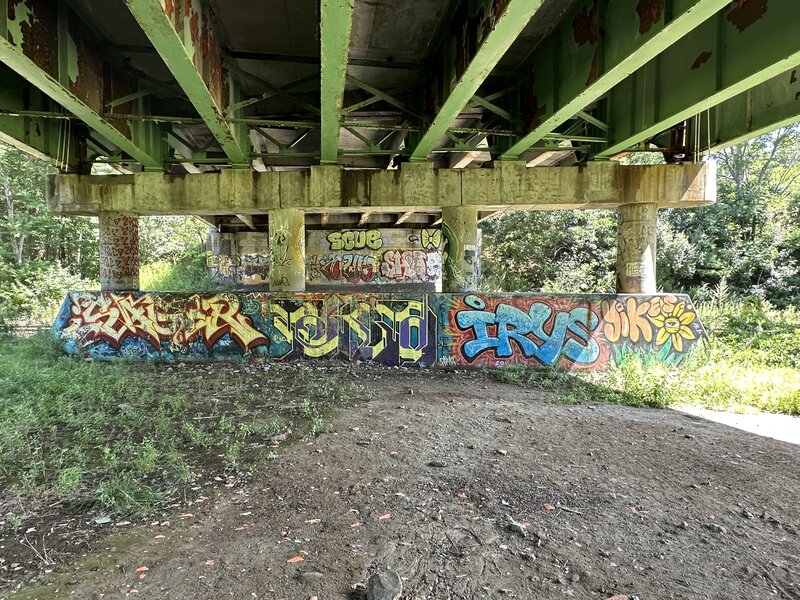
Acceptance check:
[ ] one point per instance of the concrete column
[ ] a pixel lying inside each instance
(287, 244)
(119, 252)
(460, 268)
(636, 248)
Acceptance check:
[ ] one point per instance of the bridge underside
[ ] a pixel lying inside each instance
(398, 126)
(205, 85)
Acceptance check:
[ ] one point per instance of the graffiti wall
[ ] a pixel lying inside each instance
(238, 259)
(364, 257)
(407, 259)
(413, 330)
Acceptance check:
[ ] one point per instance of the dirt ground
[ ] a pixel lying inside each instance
(470, 488)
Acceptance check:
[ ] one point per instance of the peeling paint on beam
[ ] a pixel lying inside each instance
(335, 26)
(506, 28)
(598, 62)
(185, 42)
(760, 110)
(746, 51)
(41, 47)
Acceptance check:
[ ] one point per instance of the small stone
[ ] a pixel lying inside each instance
(501, 452)
(437, 463)
(716, 528)
(403, 427)
(527, 555)
(385, 585)
(310, 577)
(363, 442)
(747, 514)
(471, 446)
(506, 592)
(684, 525)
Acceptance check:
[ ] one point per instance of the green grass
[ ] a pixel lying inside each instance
(124, 439)
(186, 275)
(751, 362)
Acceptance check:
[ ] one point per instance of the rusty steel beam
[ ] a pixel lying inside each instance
(182, 34)
(335, 27)
(742, 47)
(47, 44)
(761, 109)
(477, 38)
(595, 47)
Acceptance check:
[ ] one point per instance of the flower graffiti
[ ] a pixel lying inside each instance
(417, 329)
(673, 326)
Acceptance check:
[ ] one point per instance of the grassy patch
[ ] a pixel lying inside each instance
(751, 362)
(124, 438)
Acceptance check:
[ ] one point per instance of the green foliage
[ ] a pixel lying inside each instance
(32, 295)
(566, 251)
(749, 238)
(187, 273)
(170, 239)
(40, 255)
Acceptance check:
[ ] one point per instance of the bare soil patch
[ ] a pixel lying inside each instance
(469, 488)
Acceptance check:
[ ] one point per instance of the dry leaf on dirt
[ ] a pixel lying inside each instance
(295, 559)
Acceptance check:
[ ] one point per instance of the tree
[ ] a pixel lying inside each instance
(567, 251)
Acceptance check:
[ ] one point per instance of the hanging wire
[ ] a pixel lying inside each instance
(60, 141)
(68, 145)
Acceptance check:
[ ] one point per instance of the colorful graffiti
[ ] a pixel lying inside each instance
(416, 329)
(375, 256)
(571, 331)
(119, 251)
(537, 330)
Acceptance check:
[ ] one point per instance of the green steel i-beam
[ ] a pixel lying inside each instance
(508, 26)
(761, 109)
(335, 25)
(180, 52)
(724, 57)
(13, 56)
(596, 62)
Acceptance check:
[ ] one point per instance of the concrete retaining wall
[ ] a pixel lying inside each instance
(420, 330)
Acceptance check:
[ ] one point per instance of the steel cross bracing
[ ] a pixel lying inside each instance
(190, 87)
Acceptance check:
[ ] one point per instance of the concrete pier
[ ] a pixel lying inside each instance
(119, 252)
(460, 229)
(287, 243)
(636, 248)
